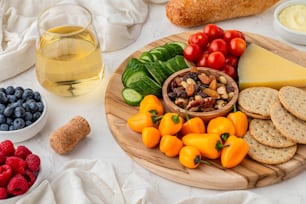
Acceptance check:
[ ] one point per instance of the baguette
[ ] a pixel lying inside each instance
(190, 13)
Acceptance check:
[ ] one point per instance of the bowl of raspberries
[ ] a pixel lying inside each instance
(19, 170)
(23, 113)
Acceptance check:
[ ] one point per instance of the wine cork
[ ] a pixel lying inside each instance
(64, 139)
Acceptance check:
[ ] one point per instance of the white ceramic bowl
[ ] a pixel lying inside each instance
(39, 179)
(290, 35)
(26, 132)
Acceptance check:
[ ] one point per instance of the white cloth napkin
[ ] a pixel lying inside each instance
(117, 22)
(94, 181)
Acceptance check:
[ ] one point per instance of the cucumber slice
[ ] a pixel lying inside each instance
(134, 77)
(146, 57)
(133, 65)
(145, 85)
(131, 96)
(156, 72)
(181, 44)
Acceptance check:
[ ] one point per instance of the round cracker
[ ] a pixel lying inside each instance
(294, 100)
(266, 133)
(289, 125)
(266, 154)
(257, 101)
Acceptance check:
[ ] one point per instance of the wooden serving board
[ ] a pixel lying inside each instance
(249, 174)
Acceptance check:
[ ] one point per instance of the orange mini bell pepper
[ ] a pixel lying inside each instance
(190, 157)
(221, 125)
(234, 151)
(151, 103)
(170, 145)
(170, 124)
(141, 120)
(240, 121)
(210, 145)
(193, 125)
(150, 137)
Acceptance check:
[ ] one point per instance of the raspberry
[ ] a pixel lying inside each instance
(30, 177)
(5, 174)
(7, 147)
(18, 165)
(22, 152)
(17, 185)
(3, 193)
(2, 158)
(33, 162)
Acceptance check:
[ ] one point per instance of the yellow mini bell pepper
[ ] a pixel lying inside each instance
(151, 103)
(210, 145)
(234, 151)
(240, 121)
(221, 125)
(190, 157)
(170, 145)
(193, 125)
(170, 124)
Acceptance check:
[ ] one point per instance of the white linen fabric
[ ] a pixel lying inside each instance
(93, 181)
(118, 23)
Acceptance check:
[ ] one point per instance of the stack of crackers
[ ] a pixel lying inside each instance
(277, 122)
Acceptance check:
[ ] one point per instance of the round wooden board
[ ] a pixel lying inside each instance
(249, 174)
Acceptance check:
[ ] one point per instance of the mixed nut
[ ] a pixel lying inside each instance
(200, 91)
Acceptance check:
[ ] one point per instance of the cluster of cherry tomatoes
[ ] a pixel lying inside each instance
(215, 48)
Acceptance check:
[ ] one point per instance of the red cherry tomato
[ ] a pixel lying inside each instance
(237, 46)
(192, 52)
(231, 34)
(200, 39)
(202, 62)
(216, 60)
(230, 70)
(218, 45)
(213, 31)
(231, 60)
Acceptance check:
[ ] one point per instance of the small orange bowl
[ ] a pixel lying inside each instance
(200, 104)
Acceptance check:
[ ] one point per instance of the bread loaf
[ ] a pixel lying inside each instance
(189, 13)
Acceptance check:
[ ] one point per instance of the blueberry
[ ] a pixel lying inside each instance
(28, 123)
(12, 98)
(3, 98)
(4, 127)
(19, 112)
(2, 107)
(2, 90)
(33, 107)
(11, 128)
(18, 103)
(36, 115)
(10, 90)
(8, 111)
(40, 106)
(28, 116)
(18, 93)
(27, 94)
(37, 96)
(18, 123)
(9, 121)
(2, 119)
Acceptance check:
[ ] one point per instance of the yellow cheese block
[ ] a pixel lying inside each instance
(260, 67)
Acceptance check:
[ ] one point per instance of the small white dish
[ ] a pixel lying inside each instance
(39, 179)
(289, 34)
(27, 132)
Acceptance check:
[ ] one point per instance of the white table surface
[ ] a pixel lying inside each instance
(101, 145)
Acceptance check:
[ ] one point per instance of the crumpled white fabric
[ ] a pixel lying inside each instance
(118, 23)
(93, 181)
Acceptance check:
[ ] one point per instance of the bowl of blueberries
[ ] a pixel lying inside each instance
(23, 113)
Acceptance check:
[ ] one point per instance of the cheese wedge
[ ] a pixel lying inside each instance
(260, 67)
